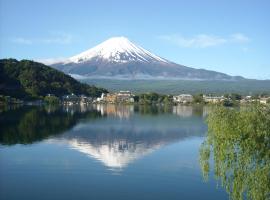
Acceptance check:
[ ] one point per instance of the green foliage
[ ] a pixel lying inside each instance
(154, 98)
(255, 96)
(8, 100)
(227, 102)
(232, 99)
(239, 141)
(136, 98)
(235, 96)
(27, 125)
(4, 99)
(243, 87)
(29, 79)
(52, 100)
(198, 98)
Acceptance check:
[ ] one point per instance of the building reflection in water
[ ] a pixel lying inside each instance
(121, 111)
(183, 111)
(188, 111)
(125, 111)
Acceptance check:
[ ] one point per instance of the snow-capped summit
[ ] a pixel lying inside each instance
(119, 58)
(117, 49)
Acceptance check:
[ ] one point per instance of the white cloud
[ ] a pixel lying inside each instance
(57, 38)
(49, 61)
(198, 41)
(239, 37)
(20, 40)
(203, 40)
(53, 38)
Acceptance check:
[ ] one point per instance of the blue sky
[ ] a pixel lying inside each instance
(230, 36)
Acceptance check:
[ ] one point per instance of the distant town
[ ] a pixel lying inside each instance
(127, 97)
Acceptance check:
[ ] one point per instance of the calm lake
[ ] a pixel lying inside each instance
(104, 152)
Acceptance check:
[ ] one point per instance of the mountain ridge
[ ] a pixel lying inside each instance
(119, 58)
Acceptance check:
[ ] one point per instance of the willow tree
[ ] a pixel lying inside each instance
(239, 143)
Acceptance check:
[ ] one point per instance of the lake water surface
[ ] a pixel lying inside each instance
(104, 152)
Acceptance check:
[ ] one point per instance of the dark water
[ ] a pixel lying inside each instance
(104, 152)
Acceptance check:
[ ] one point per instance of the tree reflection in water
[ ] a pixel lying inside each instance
(239, 142)
(27, 125)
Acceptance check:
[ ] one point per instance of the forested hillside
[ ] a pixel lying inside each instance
(27, 79)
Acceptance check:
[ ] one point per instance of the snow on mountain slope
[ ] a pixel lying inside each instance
(118, 58)
(117, 49)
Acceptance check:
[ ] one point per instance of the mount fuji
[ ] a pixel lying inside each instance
(119, 58)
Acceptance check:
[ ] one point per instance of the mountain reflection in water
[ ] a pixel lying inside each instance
(114, 135)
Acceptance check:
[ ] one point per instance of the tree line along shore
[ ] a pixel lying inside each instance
(127, 97)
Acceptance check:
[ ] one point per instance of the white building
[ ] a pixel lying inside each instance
(215, 99)
(183, 98)
(99, 99)
(264, 100)
(125, 96)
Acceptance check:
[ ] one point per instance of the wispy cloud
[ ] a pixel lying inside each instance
(203, 40)
(239, 37)
(54, 37)
(20, 40)
(49, 61)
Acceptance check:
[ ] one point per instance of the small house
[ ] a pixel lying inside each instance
(183, 98)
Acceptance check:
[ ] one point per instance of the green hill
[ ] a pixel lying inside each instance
(244, 87)
(27, 79)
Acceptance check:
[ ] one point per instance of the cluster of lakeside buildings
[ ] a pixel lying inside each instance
(9, 100)
(119, 97)
(71, 99)
(188, 98)
(127, 97)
